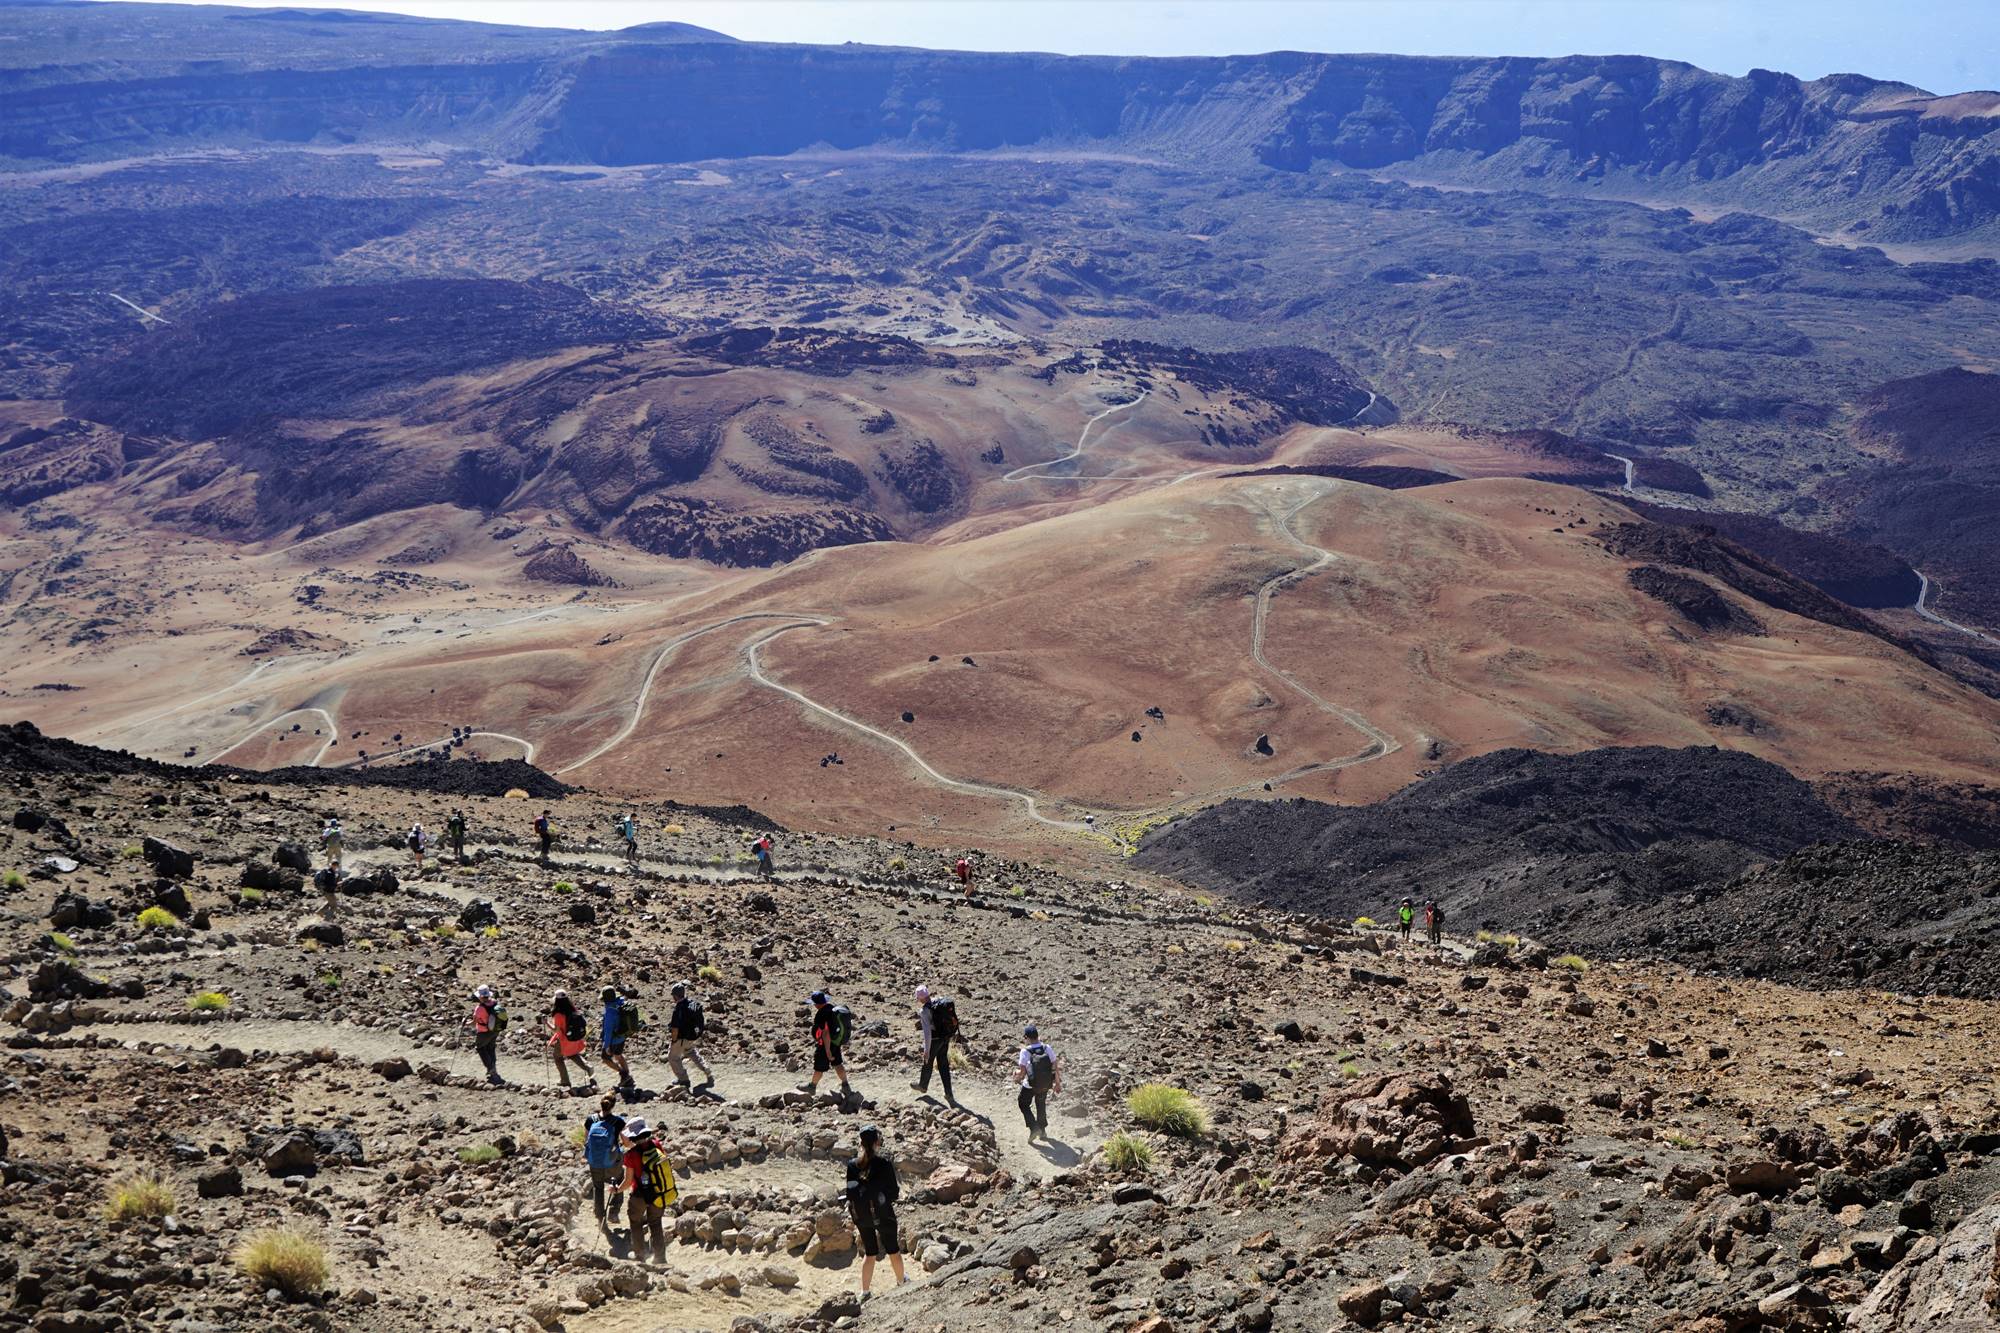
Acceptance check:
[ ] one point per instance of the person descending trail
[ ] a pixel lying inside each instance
(763, 851)
(1038, 1070)
(962, 872)
(684, 1030)
(545, 833)
(1434, 923)
(568, 1035)
(872, 1191)
(832, 1028)
(1405, 915)
(937, 1024)
(628, 829)
(604, 1154)
(332, 840)
(649, 1191)
(417, 840)
(454, 832)
(486, 1022)
(613, 1029)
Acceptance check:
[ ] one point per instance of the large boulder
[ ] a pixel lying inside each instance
(379, 880)
(174, 898)
(72, 910)
(271, 879)
(293, 856)
(477, 915)
(288, 1152)
(326, 932)
(1950, 1284)
(1393, 1120)
(167, 859)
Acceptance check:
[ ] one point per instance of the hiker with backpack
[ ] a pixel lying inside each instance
(605, 1155)
(1405, 916)
(619, 1022)
(872, 1191)
(486, 1022)
(832, 1029)
(454, 832)
(1434, 923)
(628, 829)
(416, 840)
(649, 1191)
(332, 841)
(568, 1034)
(684, 1031)
(937, 1024)
(763, 849)
(1038, 1069)
(962, 872)
(545, 833)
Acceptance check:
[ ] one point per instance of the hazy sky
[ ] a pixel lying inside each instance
(1943, 45)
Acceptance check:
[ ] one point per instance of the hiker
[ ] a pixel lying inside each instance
(331, 841)
(1039, 1072)
(1405, 916)
(963, 873)
(454, 832)
(832, 1026)
(487, 1021)
(604, 1153)
(684, 1031)
(546, 832)
(649, 1191)
(763, 851)
(568, 1035)
(1434, 923)
(628, 829)
(416, 840)
(937, 1022)
(612, 1031)
(872, 1192)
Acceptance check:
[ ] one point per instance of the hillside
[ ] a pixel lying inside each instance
(1513, 837)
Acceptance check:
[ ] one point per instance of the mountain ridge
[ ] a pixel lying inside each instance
(1849, 155)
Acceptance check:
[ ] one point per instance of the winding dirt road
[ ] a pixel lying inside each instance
(1082, 438)
(1923, 595)
(332, 735)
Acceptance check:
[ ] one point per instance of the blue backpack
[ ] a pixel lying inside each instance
(600, 1142)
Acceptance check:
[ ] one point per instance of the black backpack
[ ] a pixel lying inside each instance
(841, 1028)
(573, 1026)
(944, 1017)
(697, 1020)
(1041, 1068)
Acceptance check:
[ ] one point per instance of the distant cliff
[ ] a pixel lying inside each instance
(1845, 153)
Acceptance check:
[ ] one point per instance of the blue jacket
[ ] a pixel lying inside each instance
(609, 1026)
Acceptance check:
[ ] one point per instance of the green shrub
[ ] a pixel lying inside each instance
(330, 979)
(1016, 891)
(158, 918)
(1169, 1110)
(489, 932)
(709, 972)
(132, 853)
(247, 895)
(673, 830)
(898, 864)
(287, 1261)
(479, 1154)
(62, 942)
(139, 1196)
(445, 931)
(1364, 923)
(16, 880)
(564, 886)
(1127, 1153)
(1572, 962)
(208, 1000)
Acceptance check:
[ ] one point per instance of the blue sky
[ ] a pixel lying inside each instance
(1943, 45)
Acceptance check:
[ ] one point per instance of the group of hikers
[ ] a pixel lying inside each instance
(333, 841)
(1406, 916)
(629, 1168)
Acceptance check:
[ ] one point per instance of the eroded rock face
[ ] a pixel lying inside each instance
(1949, 1285)
(1394, 1120)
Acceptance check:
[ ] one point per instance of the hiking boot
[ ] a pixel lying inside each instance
(807, 1087)
(918, 1087)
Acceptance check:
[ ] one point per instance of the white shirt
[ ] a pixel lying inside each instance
(1026, 1060)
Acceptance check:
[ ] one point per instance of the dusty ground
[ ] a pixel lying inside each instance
(1621, 1117)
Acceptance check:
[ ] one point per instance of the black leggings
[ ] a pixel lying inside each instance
(1034, 1105)
(938, 1058)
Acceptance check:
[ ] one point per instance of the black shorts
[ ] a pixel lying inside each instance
(822, 1062)
(876, 1229)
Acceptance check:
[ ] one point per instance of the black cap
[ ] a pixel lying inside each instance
(870, 1135)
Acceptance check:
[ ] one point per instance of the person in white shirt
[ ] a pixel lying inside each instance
(1038, 1070)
